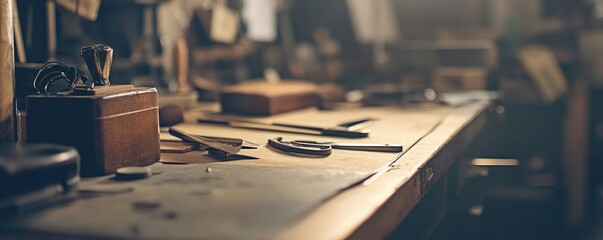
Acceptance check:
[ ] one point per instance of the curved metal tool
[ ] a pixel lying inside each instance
(300, 148)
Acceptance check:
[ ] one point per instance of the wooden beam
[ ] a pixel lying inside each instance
(7, 71)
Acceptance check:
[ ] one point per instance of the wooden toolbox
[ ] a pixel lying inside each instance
(110, 129)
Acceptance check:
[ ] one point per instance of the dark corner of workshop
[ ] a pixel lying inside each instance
(301, 119)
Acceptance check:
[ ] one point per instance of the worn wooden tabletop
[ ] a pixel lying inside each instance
(277, 195)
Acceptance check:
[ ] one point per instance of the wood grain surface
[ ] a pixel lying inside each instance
(276, 195)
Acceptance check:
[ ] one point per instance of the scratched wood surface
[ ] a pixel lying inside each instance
(274, 196)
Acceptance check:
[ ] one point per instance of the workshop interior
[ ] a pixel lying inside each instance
(301, 119)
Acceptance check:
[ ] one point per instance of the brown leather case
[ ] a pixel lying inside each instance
(110, 130)
(264, 98)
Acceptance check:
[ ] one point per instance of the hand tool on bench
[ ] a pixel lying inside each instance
(291, 128)
(216, 149)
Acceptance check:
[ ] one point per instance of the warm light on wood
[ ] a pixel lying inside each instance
(494, 162)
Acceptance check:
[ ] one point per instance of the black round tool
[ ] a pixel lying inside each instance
(55, 78)
(47, 171)
(300, 147)
(132, 173)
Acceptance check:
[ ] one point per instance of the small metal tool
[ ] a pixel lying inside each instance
(99, 58)
(292, 128)
(358, 124)
(216, 149)
(374, 147)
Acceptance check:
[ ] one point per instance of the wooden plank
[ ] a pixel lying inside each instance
(7, 70)
(575, 151)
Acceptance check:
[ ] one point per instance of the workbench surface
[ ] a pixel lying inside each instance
(276, 195)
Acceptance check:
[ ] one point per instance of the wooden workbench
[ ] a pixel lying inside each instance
(277, 195)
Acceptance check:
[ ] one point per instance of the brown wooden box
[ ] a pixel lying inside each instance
(265, 98)
(110, 130)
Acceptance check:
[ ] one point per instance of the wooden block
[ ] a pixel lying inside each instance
(264, 98)
(101, 90)
(459, 79)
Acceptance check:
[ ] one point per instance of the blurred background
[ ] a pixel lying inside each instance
(541, 60)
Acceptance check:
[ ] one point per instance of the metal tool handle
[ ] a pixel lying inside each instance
(357, 124)
(293, 128)
(334, 132)
(375, 147)
(99, 59)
